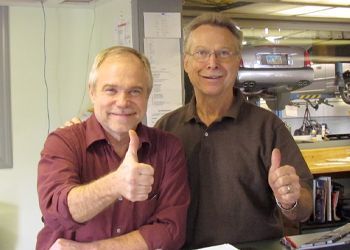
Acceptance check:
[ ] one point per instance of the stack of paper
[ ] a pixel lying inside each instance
(220, 247)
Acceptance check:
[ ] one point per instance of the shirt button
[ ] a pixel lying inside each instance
(206, 134)
(118, 230)
(120, 198)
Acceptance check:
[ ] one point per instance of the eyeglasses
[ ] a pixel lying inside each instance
(223, 55)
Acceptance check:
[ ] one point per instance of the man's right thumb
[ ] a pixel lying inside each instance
(131, 153)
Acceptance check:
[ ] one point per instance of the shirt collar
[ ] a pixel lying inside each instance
(95, 132)
(232, 112)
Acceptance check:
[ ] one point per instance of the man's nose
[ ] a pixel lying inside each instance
(122, 99)
(212, 60)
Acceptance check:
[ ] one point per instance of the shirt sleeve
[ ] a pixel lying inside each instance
(166, 229)
(57, 175)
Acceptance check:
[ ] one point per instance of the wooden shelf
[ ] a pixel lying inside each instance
(329, 169)
(327, 160)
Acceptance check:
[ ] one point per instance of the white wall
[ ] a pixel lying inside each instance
(69, 56)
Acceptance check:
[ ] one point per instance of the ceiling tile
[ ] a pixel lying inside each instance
(334, 12)
(300, 10)
(328, 2)
(261, 8)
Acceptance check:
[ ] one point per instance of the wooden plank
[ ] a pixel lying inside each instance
(327, 160)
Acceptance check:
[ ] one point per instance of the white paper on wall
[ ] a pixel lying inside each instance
(162, 24)
(165, 59)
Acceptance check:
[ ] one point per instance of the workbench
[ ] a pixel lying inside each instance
(327, 158)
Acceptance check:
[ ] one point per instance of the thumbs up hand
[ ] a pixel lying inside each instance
(131, 153)
(134, 179)
(283, 181)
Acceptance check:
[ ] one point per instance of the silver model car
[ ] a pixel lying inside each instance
(272, 71)
(326, 84)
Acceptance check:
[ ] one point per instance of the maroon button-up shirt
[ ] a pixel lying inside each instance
(79, 154)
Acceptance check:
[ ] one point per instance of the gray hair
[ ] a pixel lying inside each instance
(116, 51)
(214, 19)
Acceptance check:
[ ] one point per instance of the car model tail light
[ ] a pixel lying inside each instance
(307, 62)
(241, 64)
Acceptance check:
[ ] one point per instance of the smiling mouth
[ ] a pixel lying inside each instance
(212, 77)
(122, 114)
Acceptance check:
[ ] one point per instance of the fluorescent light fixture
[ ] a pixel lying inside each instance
(300, 10)
(331, 13)
(273, 39)
(330, 2)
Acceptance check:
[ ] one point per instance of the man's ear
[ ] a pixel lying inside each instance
(186, 58)
(92, 90)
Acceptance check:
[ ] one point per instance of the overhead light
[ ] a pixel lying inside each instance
(330, 2)
(273, 39)
(210, 2)
(266, 30)
(300, 10)
(332, 13)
